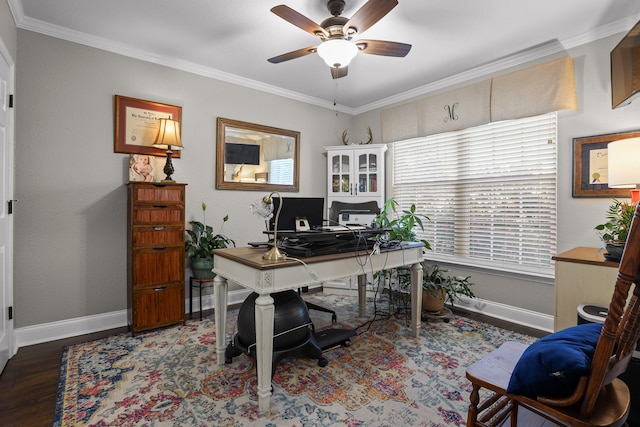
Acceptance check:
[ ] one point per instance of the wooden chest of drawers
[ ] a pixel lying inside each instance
(155, 227)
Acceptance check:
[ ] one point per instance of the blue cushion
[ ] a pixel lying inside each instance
(553, 365)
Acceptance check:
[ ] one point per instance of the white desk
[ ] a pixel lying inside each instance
(246, 267)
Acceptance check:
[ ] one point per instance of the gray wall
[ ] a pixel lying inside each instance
(70, 227)
(576, 216)
(70, 232)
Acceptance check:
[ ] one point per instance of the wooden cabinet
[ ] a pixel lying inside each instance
(355, 173)
(582, 276)
(155, 226)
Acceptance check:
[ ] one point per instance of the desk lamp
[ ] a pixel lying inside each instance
(264, 209)
(168, 136)
(624, 166)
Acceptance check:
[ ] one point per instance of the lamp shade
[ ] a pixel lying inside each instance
(264, 209)
(337, 53)
(624, 163)
(168, 136)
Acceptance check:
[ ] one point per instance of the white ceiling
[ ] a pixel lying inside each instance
(232, 40)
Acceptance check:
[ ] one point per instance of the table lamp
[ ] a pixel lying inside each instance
(264, 209)
(624, 166)
(168, 136)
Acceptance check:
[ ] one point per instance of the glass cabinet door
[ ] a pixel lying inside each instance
(367, 173)
(340, 174)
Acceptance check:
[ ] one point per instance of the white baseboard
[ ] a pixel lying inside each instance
(45, 332)
(52, 331)
(532, 319)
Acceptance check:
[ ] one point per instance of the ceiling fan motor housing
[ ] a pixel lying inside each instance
(333, 26)
(336, 7)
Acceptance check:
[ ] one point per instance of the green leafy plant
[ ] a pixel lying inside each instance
(435, 281)
(401, 224)
(618, 221)
(201, 240)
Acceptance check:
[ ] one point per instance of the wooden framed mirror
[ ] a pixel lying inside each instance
(256, 157)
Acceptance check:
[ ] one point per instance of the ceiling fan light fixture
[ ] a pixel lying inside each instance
(337, 53)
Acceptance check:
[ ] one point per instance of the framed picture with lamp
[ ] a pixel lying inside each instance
(137, 123)
(591, 177)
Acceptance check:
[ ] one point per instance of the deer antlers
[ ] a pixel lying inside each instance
(345, 137)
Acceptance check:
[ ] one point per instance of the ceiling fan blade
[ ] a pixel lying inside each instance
(369, 14)
(299, 20)
(292, 55)
(385, 48)
(337, 73)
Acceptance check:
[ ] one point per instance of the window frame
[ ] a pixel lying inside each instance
(532, 186)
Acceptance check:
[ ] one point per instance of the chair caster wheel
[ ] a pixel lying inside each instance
(347, 343)
(227, 361)
(322, 362)
(334, 319)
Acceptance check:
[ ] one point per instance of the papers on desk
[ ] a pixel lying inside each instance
(343, 227)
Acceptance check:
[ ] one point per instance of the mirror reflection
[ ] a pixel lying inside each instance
(256, 157)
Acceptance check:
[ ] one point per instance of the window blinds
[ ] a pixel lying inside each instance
(489, 191)
(281, 171)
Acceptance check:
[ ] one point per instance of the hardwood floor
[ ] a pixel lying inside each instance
(29, 382)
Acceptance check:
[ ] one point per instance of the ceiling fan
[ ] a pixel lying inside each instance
(337, 32)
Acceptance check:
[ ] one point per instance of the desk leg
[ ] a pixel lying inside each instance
(265, 311)
(416, 299)
(362, 295)
(220, 295)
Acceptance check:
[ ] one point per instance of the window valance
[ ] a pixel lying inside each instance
(535, 90)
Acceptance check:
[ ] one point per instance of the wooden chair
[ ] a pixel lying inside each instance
(600, 398)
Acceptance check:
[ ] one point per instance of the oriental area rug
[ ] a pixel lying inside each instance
(170, 377)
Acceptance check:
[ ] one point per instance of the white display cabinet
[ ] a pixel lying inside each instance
(355, 174)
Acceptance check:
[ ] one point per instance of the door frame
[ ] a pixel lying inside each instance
(9, 179)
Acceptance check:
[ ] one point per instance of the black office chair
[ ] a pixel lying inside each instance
(312, 306)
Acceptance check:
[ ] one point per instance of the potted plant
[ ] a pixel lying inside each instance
(439, 288)
(401, 224)
(199, 244)
(615, 230)
(401, 227)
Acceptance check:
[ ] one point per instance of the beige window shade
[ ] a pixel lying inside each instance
(535, 90)
(455, 110)
(400, 122)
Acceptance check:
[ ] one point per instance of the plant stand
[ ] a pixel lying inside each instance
(200, 284)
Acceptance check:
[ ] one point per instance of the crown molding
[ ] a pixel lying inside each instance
(535, 53)
(41, 27)
(501, 64)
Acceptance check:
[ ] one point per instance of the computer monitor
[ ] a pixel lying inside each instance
(311, 208)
